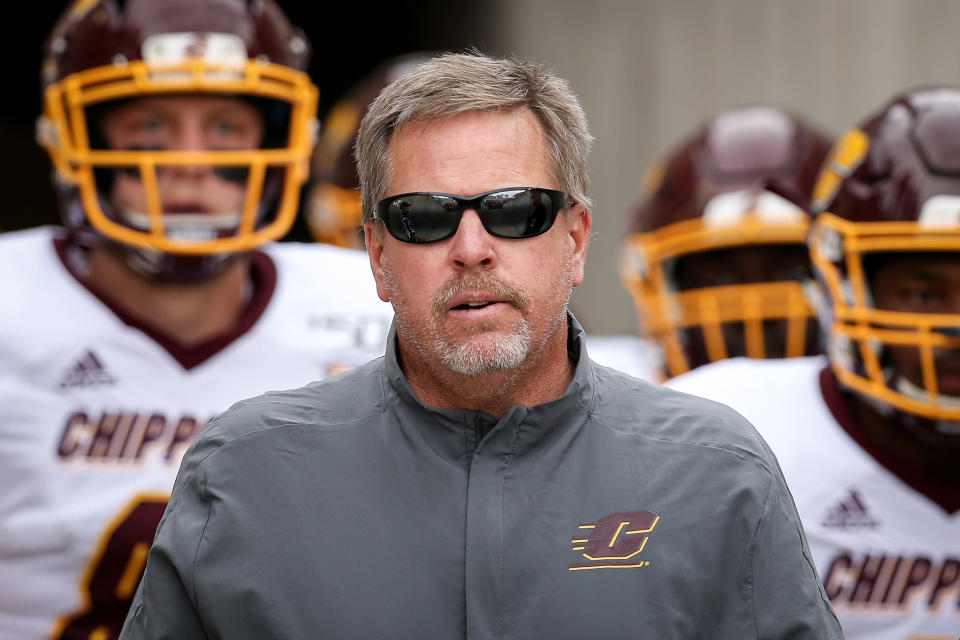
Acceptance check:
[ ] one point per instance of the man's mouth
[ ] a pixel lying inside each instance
(475, 304)
(477, 296)
(946, 370)
(475, 300)
(185, 207)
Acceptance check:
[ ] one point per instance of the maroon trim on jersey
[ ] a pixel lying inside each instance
(945, 494)
(263, 279)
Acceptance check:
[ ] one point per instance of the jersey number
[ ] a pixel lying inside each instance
(114, 573)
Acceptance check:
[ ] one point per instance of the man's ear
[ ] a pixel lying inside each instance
(373, 235)
(579, 223)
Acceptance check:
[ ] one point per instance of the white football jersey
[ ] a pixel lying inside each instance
(96, 412)
(888, 553)
(631, 354)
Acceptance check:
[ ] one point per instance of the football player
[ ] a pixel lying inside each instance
(333, 197)
(714, 255)
(868, 435)
(180, 132)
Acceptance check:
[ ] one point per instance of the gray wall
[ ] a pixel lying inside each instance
(648, 71)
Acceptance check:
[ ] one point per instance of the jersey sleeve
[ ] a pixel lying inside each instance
(789, 600)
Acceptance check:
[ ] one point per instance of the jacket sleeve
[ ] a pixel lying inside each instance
(165, 605)
(788, 598)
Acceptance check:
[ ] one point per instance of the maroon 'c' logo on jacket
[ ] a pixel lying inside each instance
(615, 541)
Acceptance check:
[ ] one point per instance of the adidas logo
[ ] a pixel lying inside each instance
(850, 513)
(86, 372)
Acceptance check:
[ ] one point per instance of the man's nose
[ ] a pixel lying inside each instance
(190, 137)
(472, 245)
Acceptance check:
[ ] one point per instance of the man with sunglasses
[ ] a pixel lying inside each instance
(484, 479)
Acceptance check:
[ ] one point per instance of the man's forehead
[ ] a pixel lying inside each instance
(519, 122)
(470, 153)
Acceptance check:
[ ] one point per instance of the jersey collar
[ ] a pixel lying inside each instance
(263, 280)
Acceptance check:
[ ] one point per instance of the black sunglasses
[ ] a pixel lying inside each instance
(517, 212)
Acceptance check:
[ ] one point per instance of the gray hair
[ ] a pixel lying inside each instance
(455, 83)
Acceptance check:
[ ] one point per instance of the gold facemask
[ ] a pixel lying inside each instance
(63, 131)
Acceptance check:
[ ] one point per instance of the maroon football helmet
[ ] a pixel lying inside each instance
(103, 53)
(890, 191)
(715, 252)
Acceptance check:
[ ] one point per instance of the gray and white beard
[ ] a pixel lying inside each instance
(469, 359)
(474, 360)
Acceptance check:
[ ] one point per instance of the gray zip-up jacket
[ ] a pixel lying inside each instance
(348, 509)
